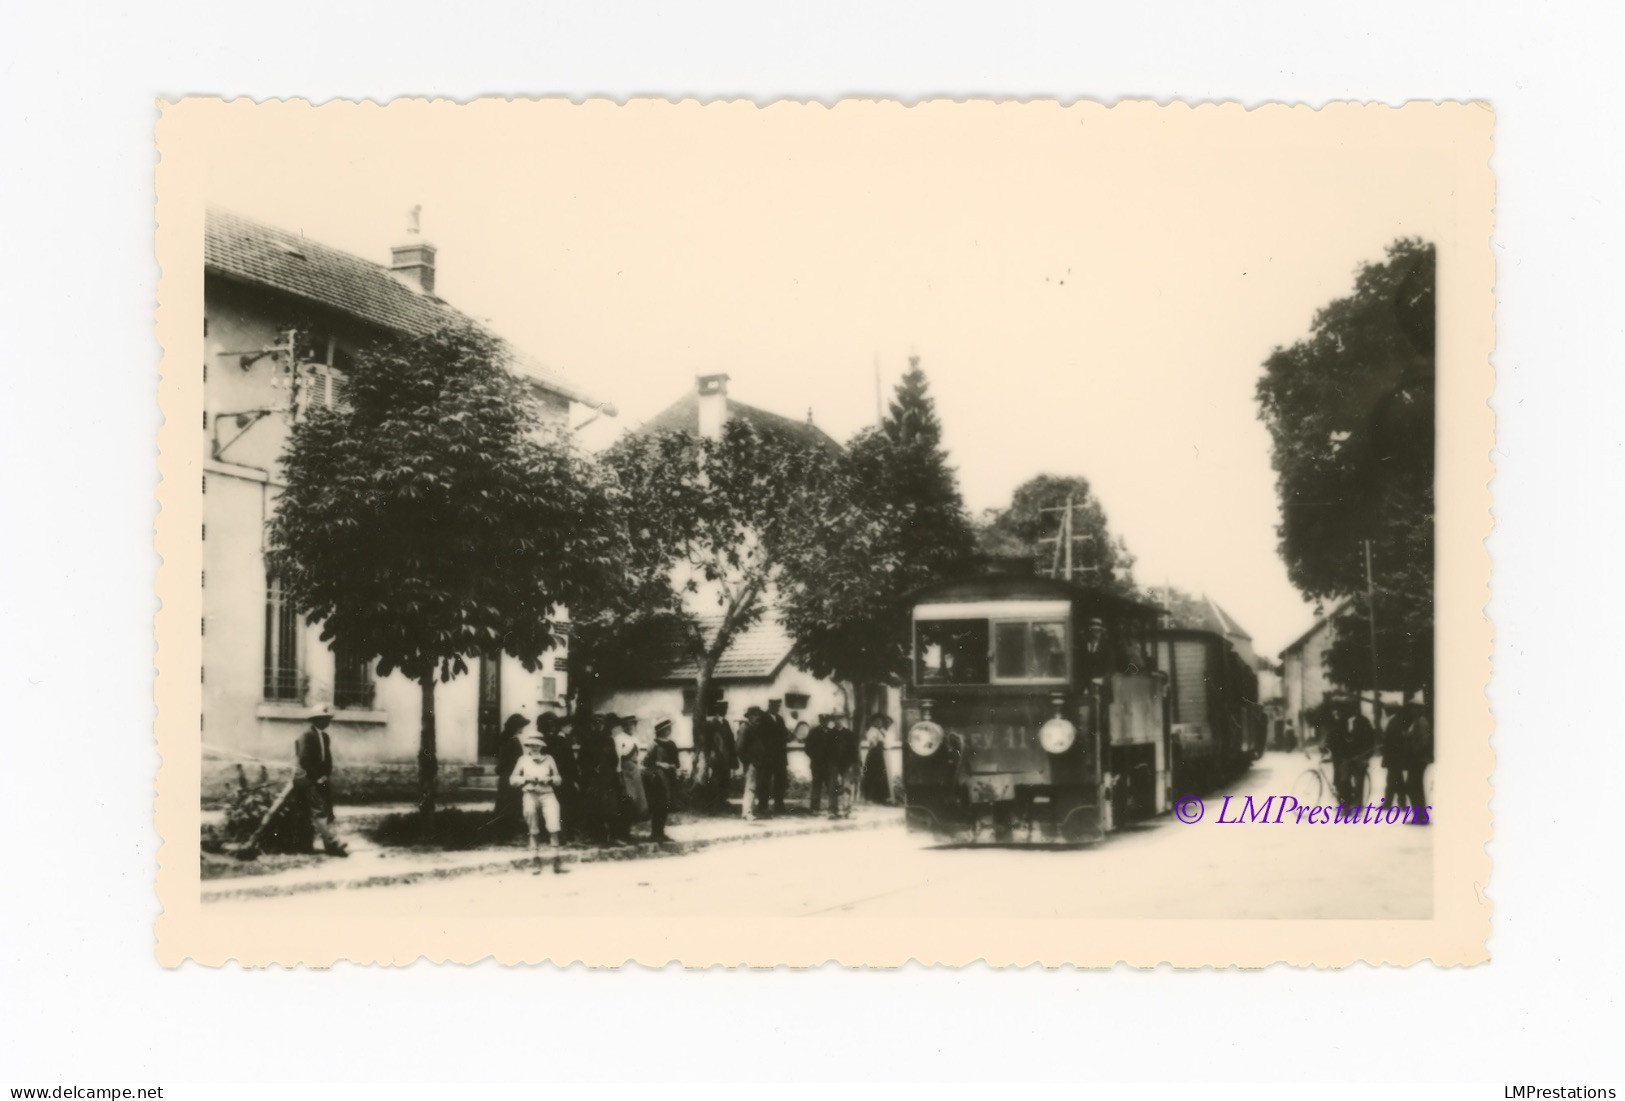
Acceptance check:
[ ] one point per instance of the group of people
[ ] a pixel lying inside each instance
(587, 780)
(1406, 746)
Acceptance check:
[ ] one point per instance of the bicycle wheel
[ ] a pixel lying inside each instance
(1309, 789)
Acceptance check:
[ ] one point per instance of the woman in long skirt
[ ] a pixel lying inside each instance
(876, 785)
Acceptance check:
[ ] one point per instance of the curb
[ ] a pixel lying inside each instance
(642, 850)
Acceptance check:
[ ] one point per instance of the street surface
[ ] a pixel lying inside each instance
(1163, 869)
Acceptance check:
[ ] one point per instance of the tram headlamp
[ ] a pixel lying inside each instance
(925, 738)
(1057, 735)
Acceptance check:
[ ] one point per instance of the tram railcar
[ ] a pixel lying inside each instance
(1217, 724)
(1042, 712)
(1034, 713)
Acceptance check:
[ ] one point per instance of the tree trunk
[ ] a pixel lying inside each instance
(702, 714)
(428, 758)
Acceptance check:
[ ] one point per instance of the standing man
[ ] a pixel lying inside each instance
(1418, 756)
(845, 757)
(660, 779)
(312, 775)
(753, 755)
(721, 757)
(818, 761)
(1393, 759)
(779, 757)
(1094, 660)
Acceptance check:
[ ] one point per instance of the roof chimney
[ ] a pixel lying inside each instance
(713, 404)
(413, 260)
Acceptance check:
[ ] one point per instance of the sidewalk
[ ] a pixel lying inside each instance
(370, 865)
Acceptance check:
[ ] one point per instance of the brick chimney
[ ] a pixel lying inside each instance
(713, 405)
(412, 261)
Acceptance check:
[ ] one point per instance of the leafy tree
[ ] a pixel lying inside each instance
(428, 519)
(895, 522)
(709, 522)
(1350, 411)
(1021, 531)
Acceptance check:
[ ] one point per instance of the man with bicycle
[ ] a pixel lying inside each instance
(1351, 743)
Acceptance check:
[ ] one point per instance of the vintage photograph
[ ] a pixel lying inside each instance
(724, 534)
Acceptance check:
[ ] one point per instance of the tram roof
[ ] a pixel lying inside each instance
(1001, 586)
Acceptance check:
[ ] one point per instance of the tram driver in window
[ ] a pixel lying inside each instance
(1095, 659)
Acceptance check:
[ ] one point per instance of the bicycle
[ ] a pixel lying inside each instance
(1315, 783)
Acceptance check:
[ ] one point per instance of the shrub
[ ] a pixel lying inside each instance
(246, 806)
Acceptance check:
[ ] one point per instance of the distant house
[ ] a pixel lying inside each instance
(283, 316)
(756, 670)
(1305, 680)
(758, 666)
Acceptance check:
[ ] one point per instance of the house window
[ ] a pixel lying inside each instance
(550, 689)
(283, 682)
(322, 364)
(353, 684)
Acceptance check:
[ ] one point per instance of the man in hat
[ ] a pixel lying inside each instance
(603, 758)
(1094, 657)
(312, 774)
(660, 779)
(778, 757)
(754, 755)
(537, 778)
(816, 743)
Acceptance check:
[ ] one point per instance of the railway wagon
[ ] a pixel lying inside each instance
(1218, 726)
(1033, 713)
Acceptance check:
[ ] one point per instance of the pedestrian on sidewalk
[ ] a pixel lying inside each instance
(753, 755)
(721, 757)
(815, 743)
(607, 794)
(507, 806)
(778, 761)
(660, 780)
(1393, 759)
(845, 757)
(876, 781)
(1418, 756)
(311, 783)
(634, 800)
(537, 778)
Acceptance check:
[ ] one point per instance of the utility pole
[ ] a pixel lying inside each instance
(1371, 623)
(1063, 542)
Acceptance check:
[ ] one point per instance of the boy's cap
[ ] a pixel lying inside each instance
(530, 739)
(663, 727)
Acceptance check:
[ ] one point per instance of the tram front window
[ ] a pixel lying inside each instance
(1025, 650)
(950, 651)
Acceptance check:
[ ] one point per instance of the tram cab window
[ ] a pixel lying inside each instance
(1029, 650)
(950, 651)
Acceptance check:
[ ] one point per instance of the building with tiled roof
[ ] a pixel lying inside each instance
(283, 317)
(706, 408)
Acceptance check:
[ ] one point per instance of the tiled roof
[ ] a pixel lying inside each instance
(683, 415)
(758, 654)
(242, 249)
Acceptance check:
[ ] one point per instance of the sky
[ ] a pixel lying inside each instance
(1091, 291)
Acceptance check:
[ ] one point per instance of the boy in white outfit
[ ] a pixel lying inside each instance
(537, 778)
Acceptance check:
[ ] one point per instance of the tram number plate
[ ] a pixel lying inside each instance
(1007, 737)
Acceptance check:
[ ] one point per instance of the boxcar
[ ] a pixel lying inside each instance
(1218, 726)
